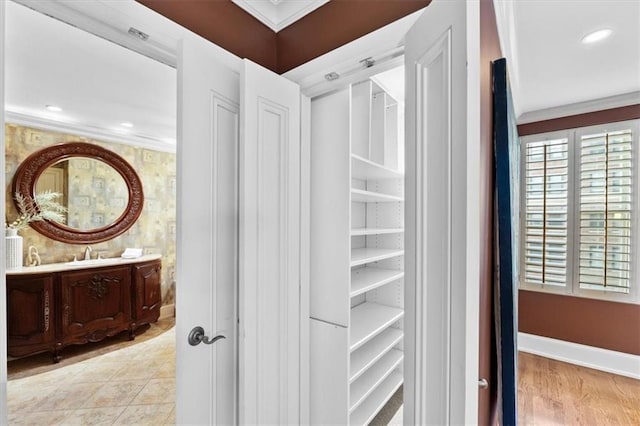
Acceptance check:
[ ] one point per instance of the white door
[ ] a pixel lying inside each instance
(207, 264)
(239, 242)
(270, 284)
(441, 246)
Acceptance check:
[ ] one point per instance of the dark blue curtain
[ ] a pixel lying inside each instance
(507, 160)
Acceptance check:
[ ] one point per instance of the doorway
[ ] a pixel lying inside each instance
(461, 380)
(65, 85)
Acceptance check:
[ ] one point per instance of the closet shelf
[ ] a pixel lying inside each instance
(370, 319)
(369, 278)
(369, 354)
(363, 256)
(356, 232)
(378, 398)
(361, 168)
(362, 196)
(369, 381)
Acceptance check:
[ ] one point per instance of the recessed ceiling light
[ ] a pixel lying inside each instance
(126, 124)
(596, 36)
(53, 108)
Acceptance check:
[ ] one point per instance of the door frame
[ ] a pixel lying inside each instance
(3, 277)
(103, 23)
(462, 397)
(167, 49)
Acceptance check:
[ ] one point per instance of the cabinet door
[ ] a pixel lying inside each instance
(96, 303)
(147, 296)
(29, 314)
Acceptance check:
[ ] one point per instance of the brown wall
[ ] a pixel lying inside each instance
(223, 23)
(328, 27)
(489, 51)
(335, 24)
(599, 323)
(581, 120)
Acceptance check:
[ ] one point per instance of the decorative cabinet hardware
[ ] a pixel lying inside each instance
(483, 384)
(46, 310)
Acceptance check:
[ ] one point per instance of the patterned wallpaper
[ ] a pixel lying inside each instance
(154, 231)
(97, 194)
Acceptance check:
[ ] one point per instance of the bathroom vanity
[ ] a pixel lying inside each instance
(53, 306)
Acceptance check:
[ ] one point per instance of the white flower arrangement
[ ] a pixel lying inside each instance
(42, 206)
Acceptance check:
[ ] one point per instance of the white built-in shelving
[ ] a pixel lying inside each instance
(362, 256)
(368, 354)
(357, 267)
(370, 278)
(361, 168)
(376, 400)
(362, 196)
(373, 377)
(370, 319)
(356, 232)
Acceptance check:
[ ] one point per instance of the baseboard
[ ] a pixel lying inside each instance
(167, 311)
(587, 356)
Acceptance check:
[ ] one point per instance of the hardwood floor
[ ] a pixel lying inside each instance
(556, 393)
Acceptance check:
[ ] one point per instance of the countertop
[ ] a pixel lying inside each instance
(80, 264)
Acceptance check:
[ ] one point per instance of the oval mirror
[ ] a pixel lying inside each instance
(101, 191)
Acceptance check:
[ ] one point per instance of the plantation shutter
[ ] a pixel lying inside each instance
(606, 188)
(546, 212)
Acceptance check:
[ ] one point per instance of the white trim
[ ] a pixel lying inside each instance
(3, 291)
(106, 135)
(505, 21)
(383, 44)
(593, 105)
(305, 258)
(278, 14)
(607, 360)
(167, 311)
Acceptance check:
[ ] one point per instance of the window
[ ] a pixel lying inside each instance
(579, 211)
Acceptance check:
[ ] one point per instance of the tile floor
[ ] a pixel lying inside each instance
(116, 383)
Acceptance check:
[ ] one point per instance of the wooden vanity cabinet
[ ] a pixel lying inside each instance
(46, 312)
(30, 314)
(146, 292)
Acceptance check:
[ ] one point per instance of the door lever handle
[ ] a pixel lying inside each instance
(196, 336)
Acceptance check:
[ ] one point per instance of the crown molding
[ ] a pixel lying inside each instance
(93, 132)
(617, 101)
(279, 14)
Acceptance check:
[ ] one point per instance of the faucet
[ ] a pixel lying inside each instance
(87, 253)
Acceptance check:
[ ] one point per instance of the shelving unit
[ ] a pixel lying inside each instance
(361, 196)
(357, 252)
(375, 231)
(365, 255)
(370, 278)
(376, 400)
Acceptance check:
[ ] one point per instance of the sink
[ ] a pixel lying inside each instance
(88, 262)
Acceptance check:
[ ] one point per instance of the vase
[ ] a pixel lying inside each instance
(13, 249)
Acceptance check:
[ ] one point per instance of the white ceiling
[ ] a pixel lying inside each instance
(549, 66)
(98, 84)
(278, 14)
